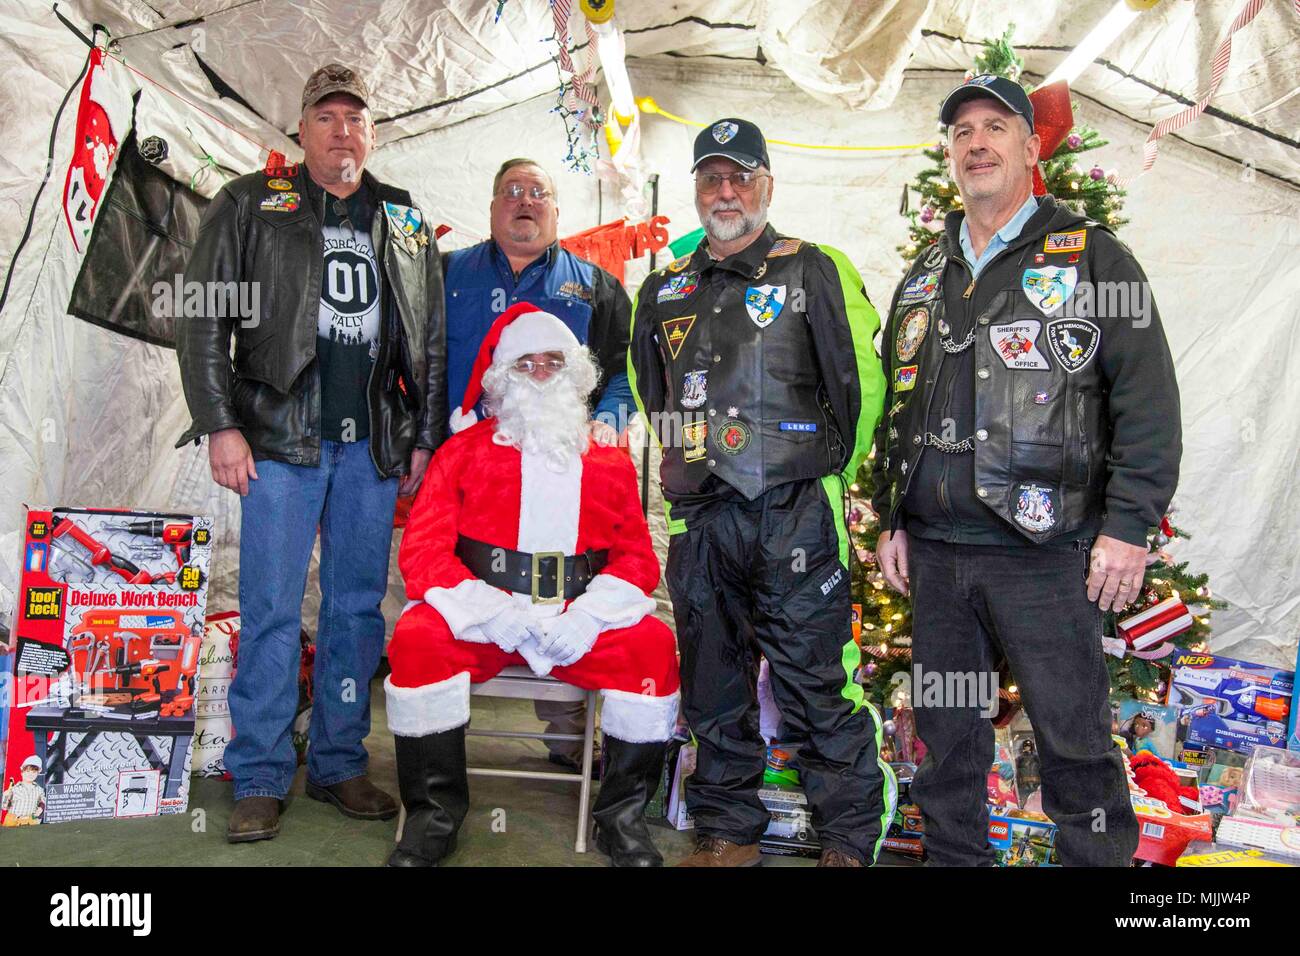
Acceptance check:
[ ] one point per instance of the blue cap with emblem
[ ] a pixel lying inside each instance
(734, 139)
(1007, 92)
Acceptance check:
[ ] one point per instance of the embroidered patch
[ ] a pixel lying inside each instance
(784, 247)
(933, 257)
(764, 303)
(1035, 508)
(679, 287)
(905, 378)
(798, 426)
(1040, 398)
(281, 202)
(919, 288)
(911, 333)
(693, 436)
(403, 219)
(1039, 258)
(1066, 241)
(725, 132)
(676, 331)
(677, 265)
(732, 437)
(281, 184)
(1014, 344)
(574, 290)
(1048, 288)
(695, 388)
(1074, 342)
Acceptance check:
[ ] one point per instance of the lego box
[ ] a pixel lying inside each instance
(1230, 704)
(104, 665)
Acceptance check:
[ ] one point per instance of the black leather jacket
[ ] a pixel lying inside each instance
(266, 228)
(1052, 367)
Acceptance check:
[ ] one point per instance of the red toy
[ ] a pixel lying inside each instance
(1160, 782)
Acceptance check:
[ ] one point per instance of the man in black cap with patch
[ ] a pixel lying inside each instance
(752, 360)
(1032, 437)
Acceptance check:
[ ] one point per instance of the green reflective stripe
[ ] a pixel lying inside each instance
(835, 498)
(864, 323)
(675, 525)
(851, 658)
(889, 786)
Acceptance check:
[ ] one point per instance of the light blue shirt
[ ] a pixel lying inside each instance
(1001, 239)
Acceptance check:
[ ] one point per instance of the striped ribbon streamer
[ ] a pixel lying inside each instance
(581, 86)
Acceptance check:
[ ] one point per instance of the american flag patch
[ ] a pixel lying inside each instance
(1065, 241)
(784, 247)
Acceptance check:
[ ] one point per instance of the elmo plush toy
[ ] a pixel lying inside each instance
(1160, 782)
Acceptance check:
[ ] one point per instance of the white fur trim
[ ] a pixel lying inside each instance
(429, 709)
(548, 506)
(533, 332)
(460, 421)
(614, 602)
(638, 718)
(471, 602)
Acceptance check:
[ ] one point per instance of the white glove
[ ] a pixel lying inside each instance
(537, 662)
(509, 628)
(566, 637)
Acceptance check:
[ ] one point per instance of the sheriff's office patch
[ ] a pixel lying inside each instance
(281, 185)
(905, 378)
(403, 219)
(764, 303)
(695, 388)
(281, 202)
(920, 288)
(574, 290)
(675, 332)
(1048, 288)
(677, 265)
(693, 437)
(1066, 241)
(784, 247)
(1074, 342)
(1015, 344)
(732, 437)
(724, 133)
(911, 333)
(934, 258)
(1035, 507)
(679, 287)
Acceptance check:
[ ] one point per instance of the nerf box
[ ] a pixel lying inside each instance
(1228, 703)
(104, 665)
(1020, 839)
(1293, 737)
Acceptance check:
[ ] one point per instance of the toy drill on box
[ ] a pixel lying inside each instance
(1230, 704)
(105, 664)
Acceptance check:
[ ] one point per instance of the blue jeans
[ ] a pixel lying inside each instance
(353, 507)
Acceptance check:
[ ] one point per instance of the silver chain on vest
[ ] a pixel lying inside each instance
(951, 347)
(949, 447)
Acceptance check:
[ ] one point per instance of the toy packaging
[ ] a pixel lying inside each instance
(1022, 839)
(212, 727)
(906, 828)
(790, 833)
(1293, 737)
(1146, 726)
(1221, 781)
(105, 660)
(1267, 816)
(1216, 855)
(1230, 704)
(1002, 777)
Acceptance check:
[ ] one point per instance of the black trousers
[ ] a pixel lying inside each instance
(769, 576)
(972, 604)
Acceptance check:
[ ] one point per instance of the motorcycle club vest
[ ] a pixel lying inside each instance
(743, 392)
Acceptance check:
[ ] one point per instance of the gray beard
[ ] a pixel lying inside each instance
(730, 230)
(547, 418)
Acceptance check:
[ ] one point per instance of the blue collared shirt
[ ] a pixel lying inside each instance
(1001, 239)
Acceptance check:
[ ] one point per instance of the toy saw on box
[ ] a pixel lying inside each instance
(130, 664)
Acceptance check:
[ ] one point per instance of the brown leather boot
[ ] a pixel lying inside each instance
(254, 818)
(715, 851)
(835, 857)
(357, 798)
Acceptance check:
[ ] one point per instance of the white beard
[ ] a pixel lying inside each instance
(543, 418)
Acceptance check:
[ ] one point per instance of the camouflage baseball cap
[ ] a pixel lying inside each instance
(334, 78)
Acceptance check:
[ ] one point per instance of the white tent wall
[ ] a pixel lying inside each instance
(89, 417)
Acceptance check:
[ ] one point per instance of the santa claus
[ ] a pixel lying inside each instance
(527, 545)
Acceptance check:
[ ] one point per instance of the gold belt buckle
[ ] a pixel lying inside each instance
(538, 558)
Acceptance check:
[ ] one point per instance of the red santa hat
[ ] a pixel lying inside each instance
(523, 329)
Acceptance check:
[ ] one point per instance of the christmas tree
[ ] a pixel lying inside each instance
(886, 624)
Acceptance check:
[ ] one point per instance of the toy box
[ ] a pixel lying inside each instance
(1228, 703)
(212, 727)
(791, 832)
(1002, 777)
(1146, 726)
(1267, 815)
(107, 634)
(1293, 737)
(1216, 855)
(1020, 839)
(906, 828)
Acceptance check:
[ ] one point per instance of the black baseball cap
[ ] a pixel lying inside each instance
(1008, 92)
(733, 138)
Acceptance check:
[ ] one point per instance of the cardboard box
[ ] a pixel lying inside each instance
(1020, 840)
(1228, 703)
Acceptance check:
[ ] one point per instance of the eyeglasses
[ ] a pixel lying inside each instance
(515, 192)
(341, 210)
(528, 366)
(742, 181)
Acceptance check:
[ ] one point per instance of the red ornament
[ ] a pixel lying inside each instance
(1053, 119)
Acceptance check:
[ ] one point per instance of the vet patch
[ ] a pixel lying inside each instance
(281, 202)
(1035, 507)
(1074, 342)
(677, 265)
(574, 290)
(919, 288)
(693, 436)
(905, 378)
(764, 303)
(911, 333)
(798, 426)
(695, 388)
(679, 287)
(403, 219)
(934, 257)
(732, 437)
(279, 184)
(1015, 344)
(784, 247)
(1066, 241)
(676, 331)
(724, 133)
(1048, 288)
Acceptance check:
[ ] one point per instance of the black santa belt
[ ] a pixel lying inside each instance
(536, 574)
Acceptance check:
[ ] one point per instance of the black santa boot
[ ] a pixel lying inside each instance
(630, 779)
(435, 791)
